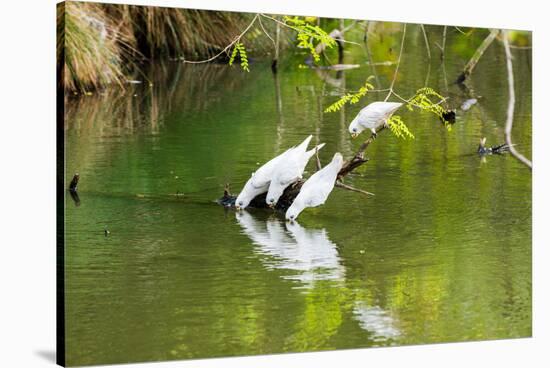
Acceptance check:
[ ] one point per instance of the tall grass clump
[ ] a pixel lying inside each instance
(105, 42)
(97, 52)
(179, 33)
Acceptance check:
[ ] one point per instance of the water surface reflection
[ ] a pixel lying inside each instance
(290, 246)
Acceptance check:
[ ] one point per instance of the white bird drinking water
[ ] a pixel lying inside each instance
(259, 181)
(373, 116)
(289, 170)
(317, 188)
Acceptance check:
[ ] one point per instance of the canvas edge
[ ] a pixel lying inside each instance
(60, 187)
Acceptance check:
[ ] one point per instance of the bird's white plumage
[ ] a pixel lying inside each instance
(288, 171)
(259, 181)
(317, 188)
(372, 116)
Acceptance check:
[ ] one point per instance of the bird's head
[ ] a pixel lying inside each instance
(273, 194)
(355, 128)
(242, 201)
(291, 214)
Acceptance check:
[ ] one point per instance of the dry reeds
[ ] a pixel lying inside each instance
(104, 42)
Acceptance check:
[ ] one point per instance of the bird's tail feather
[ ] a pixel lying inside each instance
(305, 143)
(311, 152)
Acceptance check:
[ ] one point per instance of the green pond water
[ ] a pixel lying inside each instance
(441, 253)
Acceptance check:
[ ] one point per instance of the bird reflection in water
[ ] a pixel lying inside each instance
(292, 247)
(377, 321)
(314, 257)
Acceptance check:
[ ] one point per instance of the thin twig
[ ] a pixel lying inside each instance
(443, 43)
(511, 103)
(461, 31)
(344, 30)
(267, 33)
(348, 187)
(296, 29)
(317, 161)
(226, 47)
(426, 41)
(398, 62)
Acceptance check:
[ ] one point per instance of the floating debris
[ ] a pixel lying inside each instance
(449, 116)
(498, 150)
(74, 183)
(466, 105)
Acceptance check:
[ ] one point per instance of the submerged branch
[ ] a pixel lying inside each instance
(477, 55)
(511, 103)
(349, 187)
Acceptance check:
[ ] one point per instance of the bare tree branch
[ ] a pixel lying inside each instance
(317, 161)
(477, 55)
(398, 62)
(511, 103)
(226, 47)
(426, 41)
(349, 187)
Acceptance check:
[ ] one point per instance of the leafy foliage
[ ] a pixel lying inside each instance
(239, 50)
(398, 127)
(308, 34)
(351, 98)
(422, 100)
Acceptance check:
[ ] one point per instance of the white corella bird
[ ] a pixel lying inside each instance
(316, 189)
(259, 181)
(373, 116)
(289, 170)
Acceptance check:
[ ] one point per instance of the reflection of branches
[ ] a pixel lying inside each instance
(398, 62)
(426, 41)
(511, 103)
(443, 42)
(279, 107)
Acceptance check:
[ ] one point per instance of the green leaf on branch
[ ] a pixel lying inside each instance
(351, 98)
(422, 100)
(308, 34)
(239, 50)
(399, 128)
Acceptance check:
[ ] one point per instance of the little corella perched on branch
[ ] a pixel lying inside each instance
(316, 189)
(289, 170)
(259, 181)
(372, 116)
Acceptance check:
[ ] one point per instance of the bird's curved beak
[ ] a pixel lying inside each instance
(237, 207)
(354, 135)
(271, 205)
